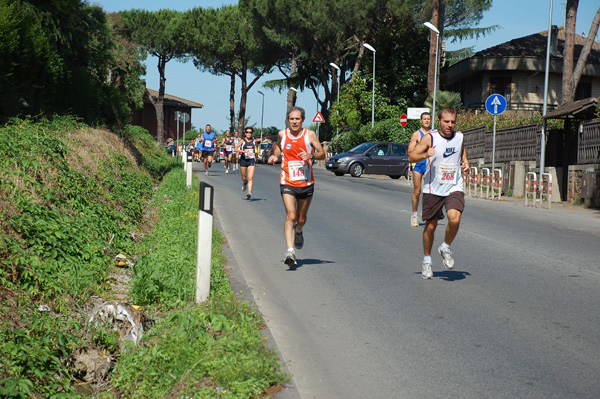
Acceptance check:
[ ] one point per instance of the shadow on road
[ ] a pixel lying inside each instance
(302, 262)
(451, 275)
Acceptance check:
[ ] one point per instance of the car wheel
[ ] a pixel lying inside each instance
(339, 173)
(407, 173)
(356, 170)
(395, 176)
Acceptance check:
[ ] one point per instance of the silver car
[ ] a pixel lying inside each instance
(376, 157)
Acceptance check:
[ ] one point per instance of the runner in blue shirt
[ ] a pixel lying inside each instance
(418, 169)
(208, 148)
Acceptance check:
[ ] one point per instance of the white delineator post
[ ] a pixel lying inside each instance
(190, 166)
(204, 257)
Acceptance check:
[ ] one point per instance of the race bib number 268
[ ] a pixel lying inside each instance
(447, 174)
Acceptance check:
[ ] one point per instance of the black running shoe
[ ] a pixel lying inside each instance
(299, 239)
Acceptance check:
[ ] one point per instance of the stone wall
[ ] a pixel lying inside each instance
(577, 174)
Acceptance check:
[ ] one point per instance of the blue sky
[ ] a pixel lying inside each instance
(517, 18)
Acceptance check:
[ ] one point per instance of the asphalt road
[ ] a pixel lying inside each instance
(519, 316)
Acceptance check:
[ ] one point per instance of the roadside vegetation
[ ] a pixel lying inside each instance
(71, 199)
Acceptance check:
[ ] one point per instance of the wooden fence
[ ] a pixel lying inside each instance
(588, 149)
(515, 144)
(474, 142)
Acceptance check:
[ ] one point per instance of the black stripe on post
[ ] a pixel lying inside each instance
(205, 203)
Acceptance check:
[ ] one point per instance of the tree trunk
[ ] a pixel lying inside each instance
(291, 94)
(243, 99)
(568, 89)
(158, 105)
(232, 104)
(437, 19)
(585, 52)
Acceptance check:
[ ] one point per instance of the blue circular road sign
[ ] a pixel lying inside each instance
(495, 104)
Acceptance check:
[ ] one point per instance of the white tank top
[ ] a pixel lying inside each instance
(443, 175)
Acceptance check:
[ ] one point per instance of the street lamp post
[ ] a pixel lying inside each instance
(177, 143)
(368, 46)
(262, 114)
(333, 65)
(437, 40)
(543, 138)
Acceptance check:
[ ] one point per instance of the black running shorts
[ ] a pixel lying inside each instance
(297, 192)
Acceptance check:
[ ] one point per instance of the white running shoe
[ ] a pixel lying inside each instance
(427, 274)
(245, 186)
(226, 171)
(206, 173)
(248, 196)
(414, 221)
(447, 259)
(290, 258)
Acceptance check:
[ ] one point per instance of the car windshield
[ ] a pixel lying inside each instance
(361, 148)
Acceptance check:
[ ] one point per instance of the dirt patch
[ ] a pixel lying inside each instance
(95, 147)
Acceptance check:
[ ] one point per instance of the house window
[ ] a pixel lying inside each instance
(500, 85)
(584, 89)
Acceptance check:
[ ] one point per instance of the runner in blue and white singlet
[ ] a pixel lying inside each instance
(418, 168)
(228, 147)
(246, 149)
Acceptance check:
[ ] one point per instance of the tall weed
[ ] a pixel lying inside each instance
(166, 267)
(59, 217)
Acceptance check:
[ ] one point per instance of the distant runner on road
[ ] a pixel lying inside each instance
(228, 147)
(300, 147)
(443, 185)
(418, 168)
(208, 148)
(246, 149)
(236, 157)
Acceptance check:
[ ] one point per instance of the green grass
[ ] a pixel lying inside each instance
(70, 199)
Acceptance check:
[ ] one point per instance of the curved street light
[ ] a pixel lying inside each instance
(431, 27)
(369, 47)
(262, 114)
(295, 95)
(338, 92)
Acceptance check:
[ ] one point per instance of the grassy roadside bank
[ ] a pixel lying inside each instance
(71, 198)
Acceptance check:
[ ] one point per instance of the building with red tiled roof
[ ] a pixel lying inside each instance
(516, 70)
(146, 117)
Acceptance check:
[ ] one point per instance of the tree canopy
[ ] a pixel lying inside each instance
(70, 44)
(160, 33)
(227, 41)
(56, 58)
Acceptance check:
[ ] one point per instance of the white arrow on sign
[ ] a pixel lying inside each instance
(495, 103)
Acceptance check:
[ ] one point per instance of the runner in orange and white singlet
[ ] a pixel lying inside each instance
(299, 147)
(295, 171)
